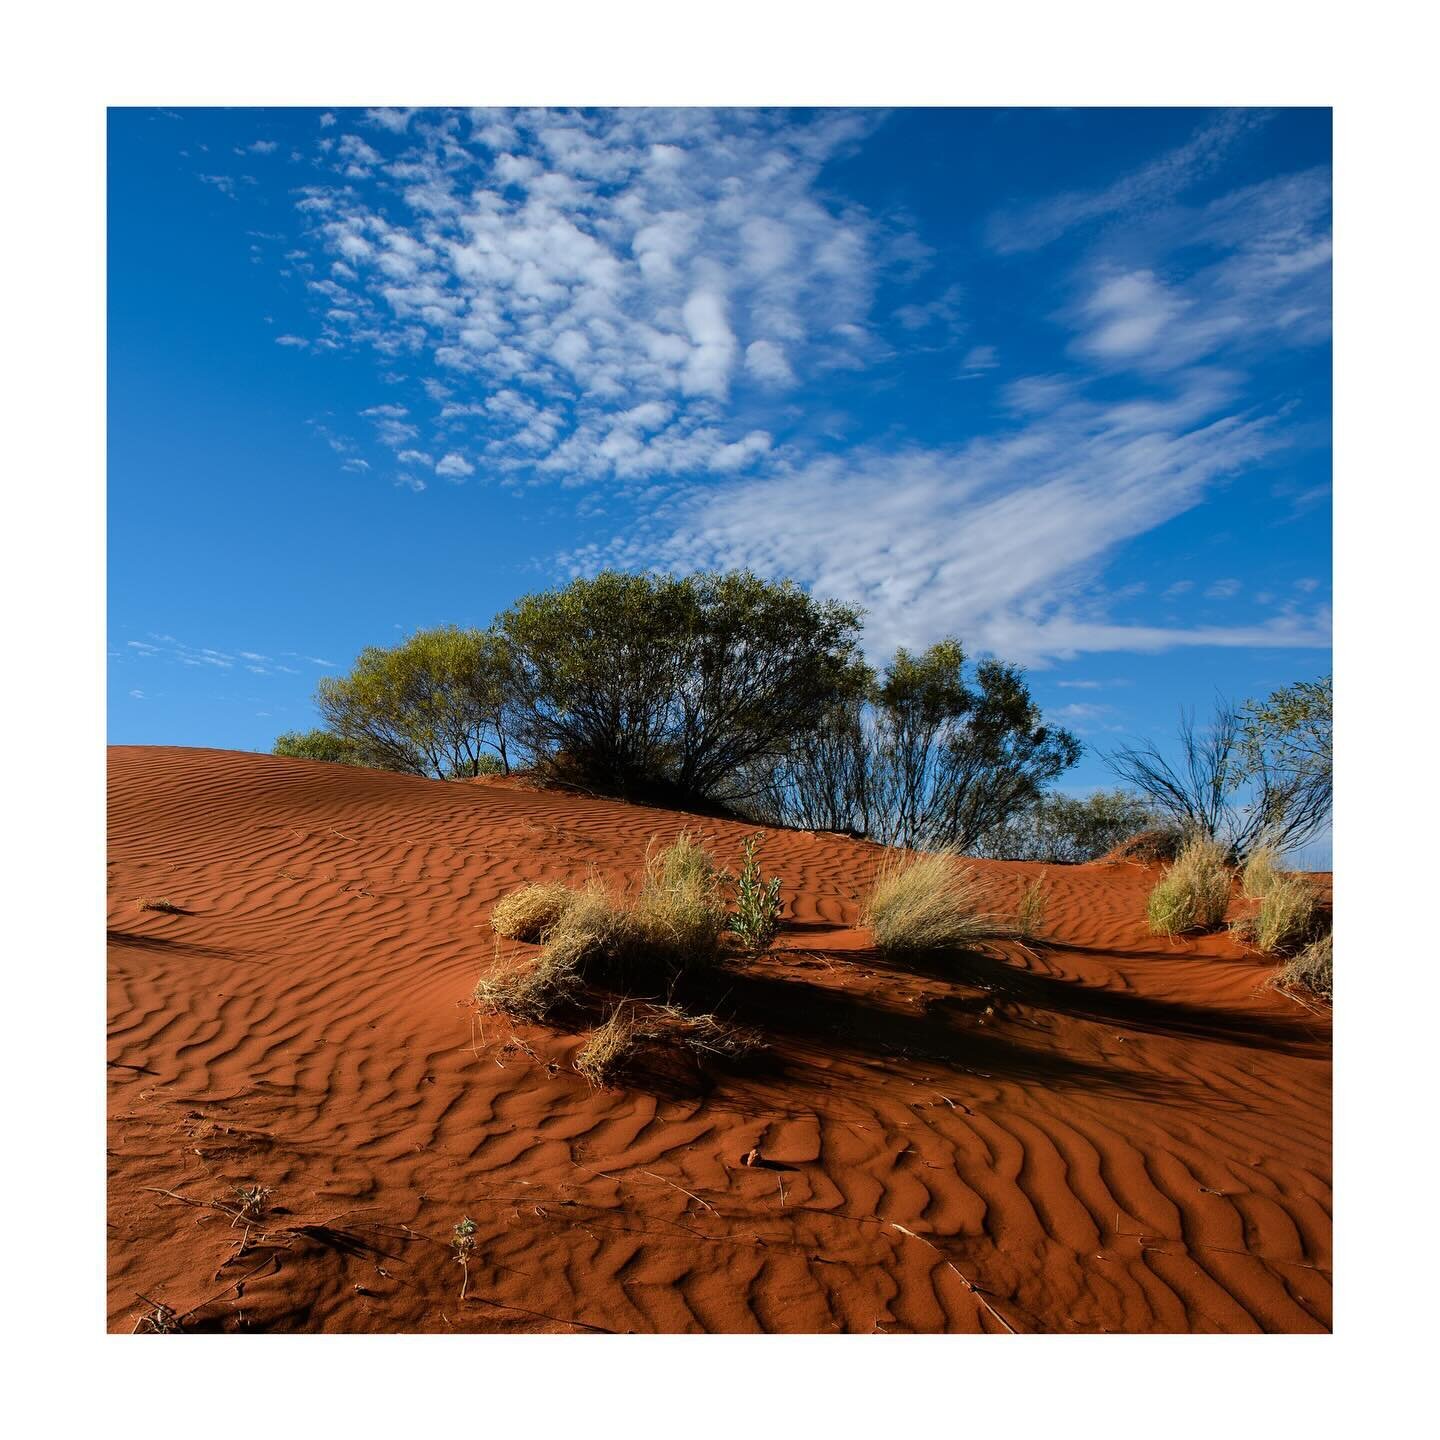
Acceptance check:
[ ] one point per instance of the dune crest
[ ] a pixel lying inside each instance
(1107, 1132)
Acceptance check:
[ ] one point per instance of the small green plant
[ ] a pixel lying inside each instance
(757, 902)
(462, 1245)
(1194, 893)
(1030, 914)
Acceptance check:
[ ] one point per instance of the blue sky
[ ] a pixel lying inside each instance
(1056, 382)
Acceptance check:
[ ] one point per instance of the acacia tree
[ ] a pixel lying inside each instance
(644, 684)
(1231, 783)
(433, 705)
(921, 757)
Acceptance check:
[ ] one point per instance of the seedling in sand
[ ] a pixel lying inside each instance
(252, 1200)
(757, 903)
(462, 1243)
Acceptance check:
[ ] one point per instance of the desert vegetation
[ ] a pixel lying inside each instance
(1194, 892)
(925, 903)
(1258, 775)
(1311, 969)
(1061, 829)
(639, 948)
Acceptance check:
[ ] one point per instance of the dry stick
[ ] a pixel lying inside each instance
(681, 1189)
(968, 1284)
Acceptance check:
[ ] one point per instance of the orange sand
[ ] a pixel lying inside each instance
(1114, 1134)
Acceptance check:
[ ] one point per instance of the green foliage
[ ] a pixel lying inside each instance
(1291, 735)
(757, 902)
(318, 745)
(1068, 829)
(922, 757)
(644, 684)
(433, 705)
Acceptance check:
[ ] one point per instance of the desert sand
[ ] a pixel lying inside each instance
(1106, 1133)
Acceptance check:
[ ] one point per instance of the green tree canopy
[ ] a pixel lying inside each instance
(433, 705)
(644, 683)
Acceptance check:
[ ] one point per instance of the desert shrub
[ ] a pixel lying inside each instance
(630, 1028)
(1194, 893)
(530, 912)
(593, 936)
(757, 902)
(535, 992)
(679, 916)
(922, 903)
(319, 745)
(677, 687)
(1284, 921)
(1310, 969)
(1069, 829)
(165, 907)
(1034, 901)
(1155, 846)
(436, 704)
(483, 765)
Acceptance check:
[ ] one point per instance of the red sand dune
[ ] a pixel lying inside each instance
(1114, 1134)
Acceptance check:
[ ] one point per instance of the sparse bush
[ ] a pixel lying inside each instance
(1034, 901)
(679, 916)
(1155, 846)
(1312, 969)
(436, 704)
(1246, 779)
(1194, 892)
(321, 745)
(530, 912)
(757, 902)
(926, 903)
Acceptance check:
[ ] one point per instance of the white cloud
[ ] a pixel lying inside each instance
(994, 541)
(1223, 589)
(594, 264)
(454, 466)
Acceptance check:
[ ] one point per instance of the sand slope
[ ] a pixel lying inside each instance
(1114, 1134)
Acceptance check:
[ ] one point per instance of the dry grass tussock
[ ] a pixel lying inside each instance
(927, 903)
(1194, 892)
(614, 1044)
(1311, 969)
(593, 936)
(1030, 913)
(530, 912)
(1286, 918)
(1261, 871)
